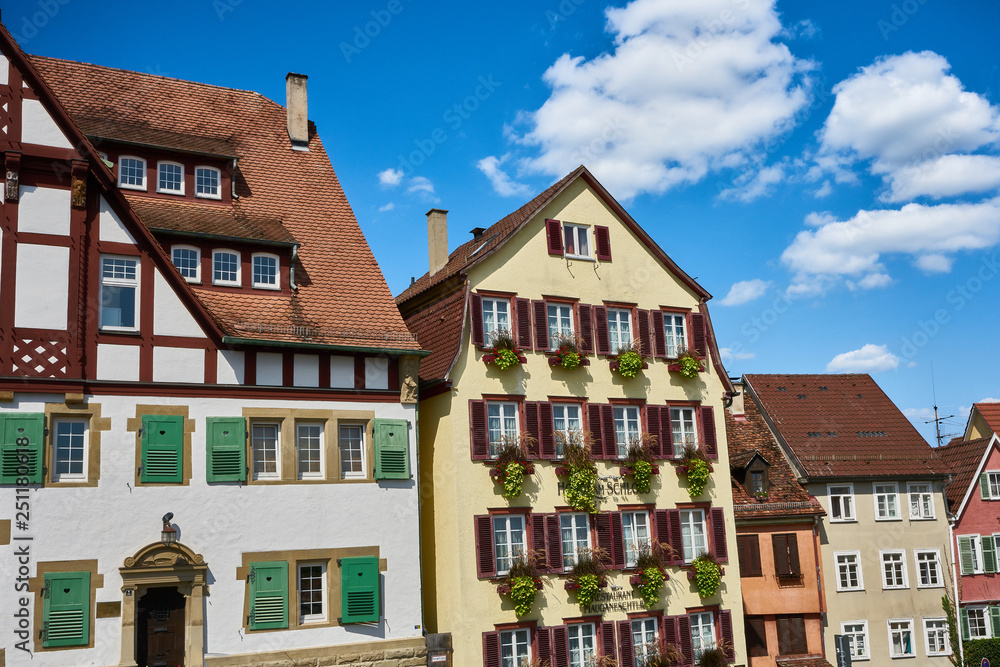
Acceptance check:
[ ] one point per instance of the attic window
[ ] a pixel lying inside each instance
(206, 183)
(823, 389)
(871, 434)
(782, 389)
(802, 395)
(187, 259)
(815, 434)
(265, 271)
(226, 268)
(131, 173)
(170, 178)
(831, 434)
(757, 483)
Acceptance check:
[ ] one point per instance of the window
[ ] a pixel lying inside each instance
(227, 449)
(936, 636)
(188, 262)
(849, 571)
(132, 173)
(857, 631)
(170, 178)
(841, 502)
(989, 485)
(352, 450)
(66, 609)
(702, 633)
(929, 568)
(565, 420)
(70, 459)
(978, 622)
(207, 182)
(576, 240)
(266, 450)
(791, 635)
(693, 536)
(756, 635)
(921, 501)
(312, 586)
(886, 502)
(749, 553)
(627, 429)
(901, 638)
(675, 325)
(560, 322)
(392, 449)
(496, 317)
(619, 328)
(265, 271)
(508, 540)
(977, 554)
(756, 481)
(635, 528)
(786, 555)
(575, 530)
(893, 569)
(582, 642)
(226, 268)
(503, 425)
(162, 449)
(683, 430)
(515, 648)
(119, 293)
(309, 444)
(645, 642)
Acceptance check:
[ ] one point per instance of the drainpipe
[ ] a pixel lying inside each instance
(956, 571)
(232, 180)
(291, 268)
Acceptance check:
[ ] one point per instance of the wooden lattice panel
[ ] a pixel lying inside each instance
(40, 358)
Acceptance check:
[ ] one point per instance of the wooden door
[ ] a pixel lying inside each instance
(160, 629)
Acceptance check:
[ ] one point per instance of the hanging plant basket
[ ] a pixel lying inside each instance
(572, 584)
(503, 351)
(688, 364)
(627, 367)
(567, 353)
(558, 361)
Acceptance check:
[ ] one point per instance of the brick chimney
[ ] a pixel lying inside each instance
(297, 110)
(437, 239)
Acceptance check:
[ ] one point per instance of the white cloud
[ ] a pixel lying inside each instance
(387, 207)
(934, 263)
(423, 187)
(946, 176)
(919, 413)
(744, 291)
(989, 400)
(390, 178)
(868, 359)
(755, 184)
(501, 182)
(728, 355)
(824, 190)
(691, 86)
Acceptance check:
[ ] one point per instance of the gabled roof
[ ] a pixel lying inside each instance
(439, 329)
(963, 457)
(989, 411)
(842, 426)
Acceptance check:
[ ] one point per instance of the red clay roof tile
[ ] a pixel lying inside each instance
(963, 457)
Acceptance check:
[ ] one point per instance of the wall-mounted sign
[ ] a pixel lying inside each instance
(609, 487)
(620, 600)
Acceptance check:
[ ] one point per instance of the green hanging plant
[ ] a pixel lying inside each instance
(567, 352)
(587, 576)
(523, 591)
(651, 577)
(512, 465)
(581, 489)
(522, 582)
(504, 352)
(688, 364)
(639, 462)
(708, 575)
(695, 466)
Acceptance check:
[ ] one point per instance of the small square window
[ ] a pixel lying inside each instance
(841, 502)
(226, 268)
(170, 178)
(207, 183)
(70, 450)
(119, 293)
(921, 501)
(849, 571)
(265, 272)
(576, 241)
(188, 262)
(312, 592)
(132, 173)
(979, 622)
(266, 451)
(887, 502)
(352, 451)
(857, 632)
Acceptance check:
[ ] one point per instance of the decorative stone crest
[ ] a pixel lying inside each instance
(408, 369)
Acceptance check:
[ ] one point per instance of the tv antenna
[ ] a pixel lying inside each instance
(937, 420)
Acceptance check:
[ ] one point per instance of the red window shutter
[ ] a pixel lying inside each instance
(617, 541)
(560, 646)
(543, 644)
(779, 545)
(602, 239)
(553, 542)
(546, 431)
(726, 623)
(553, 234)
(479, 434)
(676, 539)
(531, 425)
(608, 425)
(523, 310)
(538, 537)
(605, 538)
(645, 342)
(541, 325)
(670, 630)
(653, 427)
(718, 522)
(793, 555)
(661, 526)
(485, 564)
(586, 327)
(601, 337)
(699, 334)
(684, 639)
(659, 334)
(748, 551)
(626, 655)
(476, 311)
(708, 437)
(596, 433)
(607, 639)
(491, 649)
(667, 426)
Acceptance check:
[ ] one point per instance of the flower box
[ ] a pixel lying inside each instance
(572, 585)
(504, 589)
(677, 368)
(492, 358)
(614, 365)
(562, 471)
(692, 575)
(636, 579)
(555, 361)
(625, 471)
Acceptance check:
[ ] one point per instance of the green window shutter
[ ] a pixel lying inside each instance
(162, 450)
(995, 621)
(359, 590)
(392, 451)
(967, 563)
(966, 633)
(984, 486)
(227, 449)
(268, 595)
(66, 609)
(989, 554)
(22, 447)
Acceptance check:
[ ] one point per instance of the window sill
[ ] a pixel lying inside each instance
(271, 288)
(923, 518)
(176, 193)
(225, 283)
(217, 197)
(120, 332)
(843, 520)
(126, 186)
(888, 519)
(192, 281)
(583, 258)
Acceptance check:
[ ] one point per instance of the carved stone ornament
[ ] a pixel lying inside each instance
(12, 185)
(408, 368)
(158, 555)
(79, 192)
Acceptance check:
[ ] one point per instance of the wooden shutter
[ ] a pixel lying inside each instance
(606, 639)
(553, 235)
(546, 431)
(491, 649)
(227, 449)
(967, 562)
(989, 557)
(984, 486)
(596, 432)
(485, 563)
(661, 526)
(645, 341)
(659, 334)
(21, 451)
(779, 545)
(617, 541)
(602, 239)
(684, 636)
(726, 625)
(479, 433)
(523, 309)
(531, 426)
(708, 435)
(586, 327)
(268, 595)
(560, 646)
(756, 635)
(717, 520)
(538, 537)
(541, 325)
(676, 538)
(964, 616)
(476, 312)
(609, 436)
(162, 449)
(605, 536)
(669, 624)
(602, 339)
(791, 635)
(543, 645)
(553, 542)
(66, 609)
(359, 590)
(748, 551)
(626, 653)
(392, 449)
(653, 428)
(699, 334)
(995, 620)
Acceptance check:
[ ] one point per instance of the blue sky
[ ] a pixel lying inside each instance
(829, 171)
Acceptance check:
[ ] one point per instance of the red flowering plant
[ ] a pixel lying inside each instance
(688, 363)
(567, 352)
(512, 465)
(587, 575)
(695, 466)
(504, 352)
(640, 463)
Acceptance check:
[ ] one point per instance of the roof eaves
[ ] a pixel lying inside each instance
(994, 441)
(172, 149)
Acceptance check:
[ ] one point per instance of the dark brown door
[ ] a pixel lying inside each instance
(160, 629)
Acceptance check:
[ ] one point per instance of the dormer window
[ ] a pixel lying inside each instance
(756, 482)
(265, 271)
(226, 268)
(188, 262)
(131, 173)
(207, 182)
(170, 178)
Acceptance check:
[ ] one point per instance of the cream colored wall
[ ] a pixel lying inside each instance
(870, 537)
(978, 428)
(467, 606)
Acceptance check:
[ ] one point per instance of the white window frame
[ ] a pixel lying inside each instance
(643, 649)
(218, 175)
(683, 429)
(265, 475)
(616, 339)
(943, 629)
(566, 421)
(579, 632)
(935, 562)
(239, 267)
(634, 523)
(169, 163)
(630, 418)
(690, 520)
(675, 336)
(253, 271)
(921, 496)
(839, 565)
(121, 282)
(581, 237)
(513, 549)
(992, 475)
(196, 278)
(516, 639)
(505, 410)
(891, 497)
(901, 569)
(489, 304)
(306, 619)
(983, 611)
(81, 476)
(145, 173)
(561, 313)
(354, 474)
(845, 516)
(858, 655)
(913, 648)
(299, 426)
(573, 522)
(977, 554)
(698, 644)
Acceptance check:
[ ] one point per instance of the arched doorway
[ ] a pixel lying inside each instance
(159, 628)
